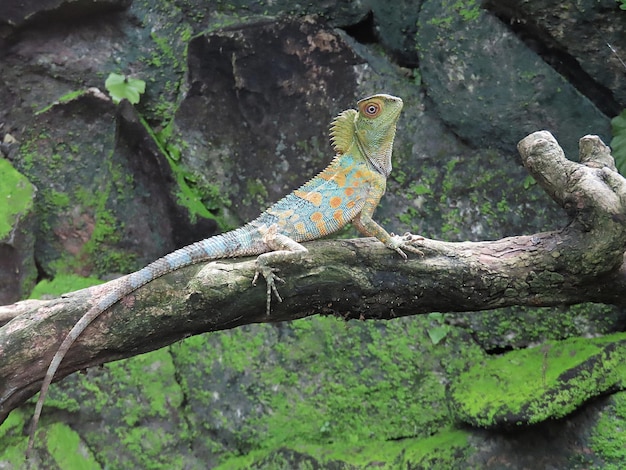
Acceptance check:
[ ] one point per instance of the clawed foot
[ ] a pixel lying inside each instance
(405, 242)
(270, 278)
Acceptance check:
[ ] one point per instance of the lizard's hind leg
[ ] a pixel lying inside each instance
(284, 249)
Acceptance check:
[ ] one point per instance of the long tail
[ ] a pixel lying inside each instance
(239, 242)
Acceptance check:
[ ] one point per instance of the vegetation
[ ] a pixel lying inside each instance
(121, 87)
(618, 143)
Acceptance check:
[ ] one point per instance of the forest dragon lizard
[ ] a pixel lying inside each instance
(346, 191)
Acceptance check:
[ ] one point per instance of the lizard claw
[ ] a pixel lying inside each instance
(401, 253)
(405, 242)
(270, 279)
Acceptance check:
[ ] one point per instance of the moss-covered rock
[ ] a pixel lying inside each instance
(104, 206)
(537, 384)
(491, 88)
(578, 40)
(609, 434)
(18, 272)
(446, 449)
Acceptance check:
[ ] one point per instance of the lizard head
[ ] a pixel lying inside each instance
(375, 129)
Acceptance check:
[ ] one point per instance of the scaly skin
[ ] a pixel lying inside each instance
(347, 190)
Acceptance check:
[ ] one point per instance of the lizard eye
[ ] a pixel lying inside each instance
(371, 109)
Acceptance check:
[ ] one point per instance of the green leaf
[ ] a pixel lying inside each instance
(438, 333)
(121, 87)
(528, 181)
(439, 330)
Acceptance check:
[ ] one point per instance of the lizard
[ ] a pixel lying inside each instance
(346, 191)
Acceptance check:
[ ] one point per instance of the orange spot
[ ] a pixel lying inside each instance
(349, 191)
(350, 204)
(313, 197)
(317, 217)
(300, 227)
(335, 202)
(338, 215)
(339, 179)
(326, 175)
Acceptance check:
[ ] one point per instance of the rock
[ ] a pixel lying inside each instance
(103, 182)
(18, 272)
(491, 89)
(534, 385)
(582, 40)
(14, 15)
(396, 27)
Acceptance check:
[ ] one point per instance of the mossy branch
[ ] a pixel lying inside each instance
(353, 279)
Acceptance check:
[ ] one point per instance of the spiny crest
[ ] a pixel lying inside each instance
(342, 131)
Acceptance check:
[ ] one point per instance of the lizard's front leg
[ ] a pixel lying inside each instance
(284, 249)
(364, 223)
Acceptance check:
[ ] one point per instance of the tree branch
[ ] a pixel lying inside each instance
(351, 278)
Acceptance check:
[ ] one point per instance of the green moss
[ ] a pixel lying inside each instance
(456, 199)
(62, 444)
(469, 10)
(65, 448)
(16, 197)
(12, 440)
(63, 99)
(443, 450)
(158, 395)
(148, 445)
(518, 327)
(82, 209)
(200, 200)
(57, 199)
(256, 193)
(62, 284)
(609, 435)
(535, 384)
(107, 232)
(143, 392)
(326, 383)
(167, 55)
(138, 397)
